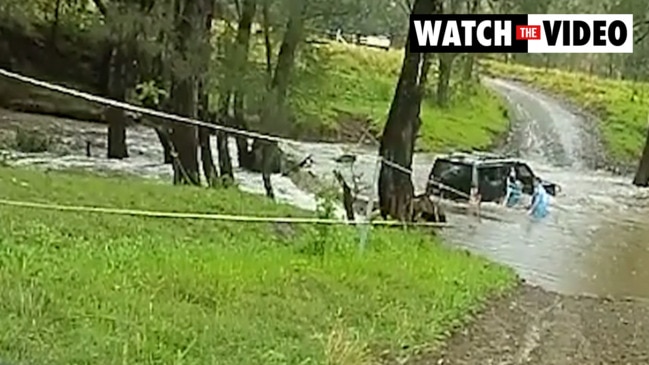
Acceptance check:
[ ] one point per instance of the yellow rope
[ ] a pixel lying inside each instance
(206, 216)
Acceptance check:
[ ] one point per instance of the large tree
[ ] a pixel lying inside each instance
(184, 91)
(274, 110)
(238, 64)
(204, 133)
(116, 71)
(398, 140)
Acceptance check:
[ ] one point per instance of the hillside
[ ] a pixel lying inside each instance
(358, 83)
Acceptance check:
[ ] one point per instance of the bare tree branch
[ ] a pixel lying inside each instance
(645, 33)
(642, 37)
(404, 8)
(237, 5)
(101, 7)
(639, 23)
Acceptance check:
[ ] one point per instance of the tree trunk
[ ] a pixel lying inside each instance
(243, 146)
(397, 142)
(286, 55)
(211, 175)
(105, 70)
(348, 197)
(225, 161)
(163, 129)
(204, 133)
(155, 68)
(184, 136)
(266, 168)
(443, 84)
(642, 175)
(115, 117)
(204, 114)
(55, 23)
(165, 140)
(274, 105)
(468, 67)
(249, 9)
(267, 43)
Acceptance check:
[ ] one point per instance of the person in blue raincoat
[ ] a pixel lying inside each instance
(514, 190)
(540, 201)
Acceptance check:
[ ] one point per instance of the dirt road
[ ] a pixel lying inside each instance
(532, 325)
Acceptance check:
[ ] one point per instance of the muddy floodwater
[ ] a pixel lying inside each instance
(594, 241)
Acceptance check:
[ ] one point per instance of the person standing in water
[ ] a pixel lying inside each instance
(540, 201)
(514, 190)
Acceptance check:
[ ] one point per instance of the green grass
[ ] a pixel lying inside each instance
(80, 288)
(360, 82)
(621, 105)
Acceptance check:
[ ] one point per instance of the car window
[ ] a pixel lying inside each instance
(445, 170)
(492, 174)
(524, 171)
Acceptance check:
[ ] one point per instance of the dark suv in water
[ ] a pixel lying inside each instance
(452, 175)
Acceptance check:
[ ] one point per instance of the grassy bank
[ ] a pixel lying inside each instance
(338, 83)
(89, 288)
(620, 105)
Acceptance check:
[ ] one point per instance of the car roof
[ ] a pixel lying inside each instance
(478, 158)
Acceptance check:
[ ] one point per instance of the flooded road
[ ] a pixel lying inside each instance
(592, 242)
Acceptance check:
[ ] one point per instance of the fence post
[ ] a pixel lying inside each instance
(365, 228)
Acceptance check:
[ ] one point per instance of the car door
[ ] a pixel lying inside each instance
(460, 180)
(526, 176)
(452, 174)
(492, 181)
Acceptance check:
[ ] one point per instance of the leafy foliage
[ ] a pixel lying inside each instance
(149, 93)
